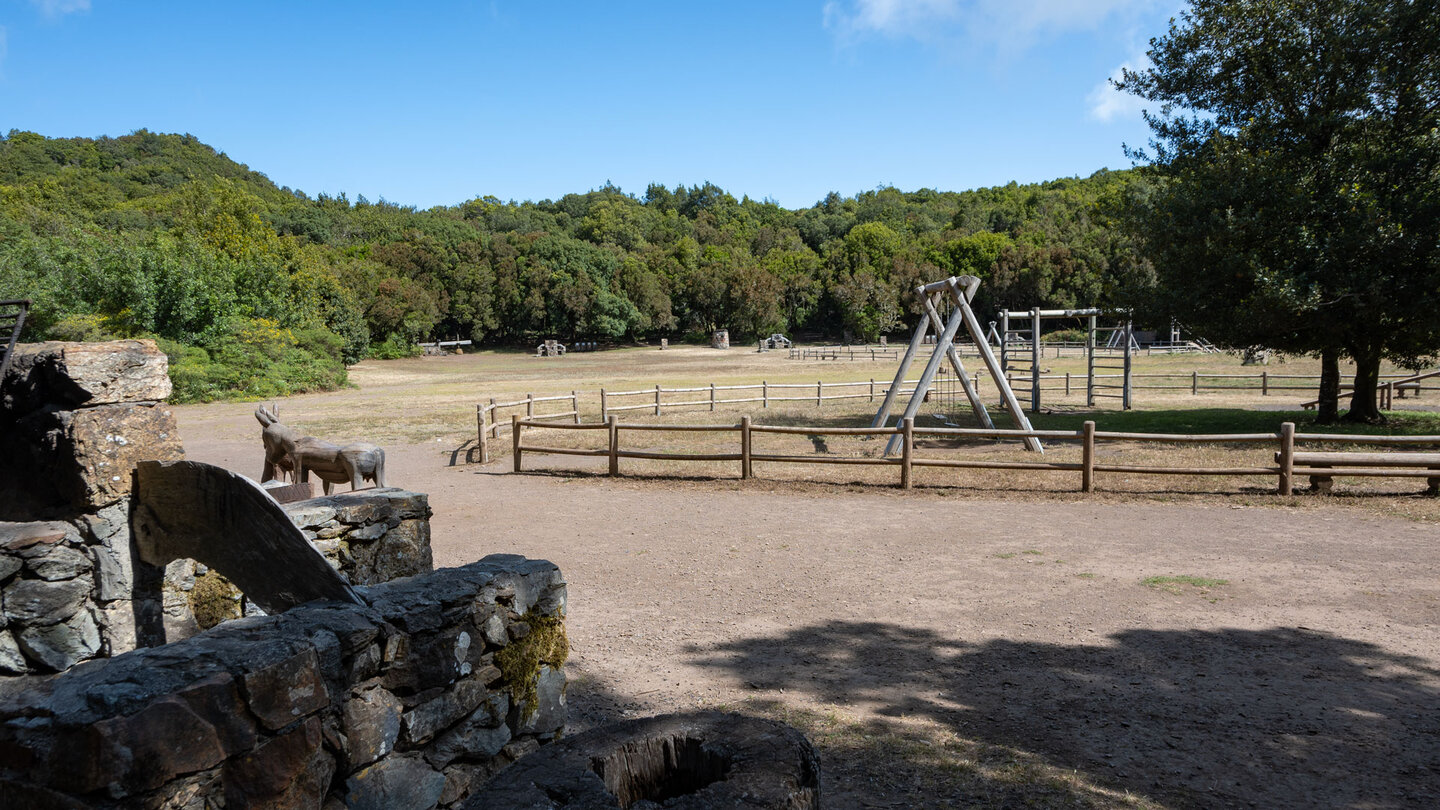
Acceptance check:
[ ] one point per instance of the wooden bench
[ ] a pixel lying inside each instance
(1323, 467)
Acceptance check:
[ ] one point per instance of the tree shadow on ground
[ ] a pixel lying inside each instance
(1270, 718)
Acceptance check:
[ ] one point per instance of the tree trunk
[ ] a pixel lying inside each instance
(1327, 411)
(1364, 406)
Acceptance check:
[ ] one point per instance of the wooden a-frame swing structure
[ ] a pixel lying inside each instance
(958, 291)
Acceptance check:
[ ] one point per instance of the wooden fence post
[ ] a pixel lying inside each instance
(657, 399)
(575, 405)
(480, 425)
(764, 394)
(1194, 383)
(1264, 383)
(1287, 458)
(872, 389)
(612, 431)
(907, 429)
(515, 439)
(604, 407)
(1067, 379)
(529, 405)
(819, 389)
(745, 471)
(494, 426)
(712, 396)
(1087, 458)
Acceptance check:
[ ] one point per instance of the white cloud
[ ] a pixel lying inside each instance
(896, 18)
(1107, 104)
(58, 8)
(999, 22)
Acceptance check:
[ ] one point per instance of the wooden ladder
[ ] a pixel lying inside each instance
(12, 317)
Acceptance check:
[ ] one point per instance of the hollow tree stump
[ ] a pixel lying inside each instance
(691, 761)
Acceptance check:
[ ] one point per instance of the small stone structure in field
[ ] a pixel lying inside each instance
(721, 339)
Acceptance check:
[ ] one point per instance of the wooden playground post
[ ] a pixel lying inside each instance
(612, 431)
(745, 439)
(907, 451)
(1287, 458)
(1035, 356)
(1087, 458)
(515, 439)
(1125, 391)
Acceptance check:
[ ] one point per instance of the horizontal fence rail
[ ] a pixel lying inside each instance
(1288, 463)
(491, 422)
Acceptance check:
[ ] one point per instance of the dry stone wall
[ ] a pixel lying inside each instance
(410, 702)
(75, 418)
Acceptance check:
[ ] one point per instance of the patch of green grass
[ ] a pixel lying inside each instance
(1085, 575)
(1032, 551)
(1173, 583)
(1007, 555)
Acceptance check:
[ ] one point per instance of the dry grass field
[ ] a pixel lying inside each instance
(987, 639)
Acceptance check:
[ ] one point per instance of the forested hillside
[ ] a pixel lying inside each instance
(259, 290)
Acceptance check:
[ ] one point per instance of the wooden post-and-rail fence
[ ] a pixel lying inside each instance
(490, 426)
(1289, 463)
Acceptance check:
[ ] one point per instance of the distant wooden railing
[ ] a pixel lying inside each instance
(1386, 389)
(1087, 437)
(490, 426)
(492, 422)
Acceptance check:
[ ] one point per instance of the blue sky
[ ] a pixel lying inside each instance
(434, 103)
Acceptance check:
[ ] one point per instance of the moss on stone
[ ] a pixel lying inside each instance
(213, 600)
(520, 661)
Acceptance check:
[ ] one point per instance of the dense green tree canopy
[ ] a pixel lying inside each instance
(1298, 202)
(151, 234)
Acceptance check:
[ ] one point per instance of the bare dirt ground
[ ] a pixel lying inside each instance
(946, 649)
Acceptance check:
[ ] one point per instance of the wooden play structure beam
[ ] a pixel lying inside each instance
(958, 291)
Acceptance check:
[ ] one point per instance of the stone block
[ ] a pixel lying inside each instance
(372, 725)
(397, 781)
(59, 562)
(83, 374)
(8, 565)
(481, 735)
(292, 770)
(117, 628)
(12, 662)
(113, 579)
(281, 693)
(62, 645)
(35, 601)
(548, 712)
(134, 754)
(435, 715)
(86, 457)
(17, 537)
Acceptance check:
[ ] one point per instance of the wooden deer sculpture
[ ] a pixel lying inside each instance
(279, 440)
